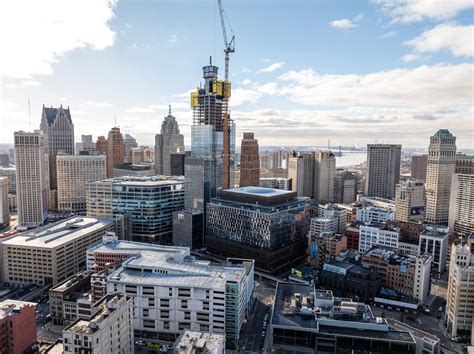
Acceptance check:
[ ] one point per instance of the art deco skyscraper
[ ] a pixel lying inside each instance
(441, 166)
(113, 147)
(31, 179)
(383, 170)
(58, 134)
(249, 161)
(168, 142)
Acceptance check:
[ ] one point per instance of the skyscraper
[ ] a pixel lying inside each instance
(129, 143)
(345, 187)
(410, 201)
(383, 170)
(418, 166)
(86, 144)
(249, 161)
(324, 174)
(441, 166)
(461, 205)
(115, 150)
(31, 179)
(58, 132)
(207, 136)
(73, 173)
(301, 171)
(168, 142)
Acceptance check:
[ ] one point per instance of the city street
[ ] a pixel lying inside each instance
(251, 338)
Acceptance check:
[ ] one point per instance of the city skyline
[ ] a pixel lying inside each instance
(301, 83)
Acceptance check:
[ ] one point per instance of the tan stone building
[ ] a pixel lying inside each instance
(409, 201)
(73, 172)
(441, 166)
(52, 253)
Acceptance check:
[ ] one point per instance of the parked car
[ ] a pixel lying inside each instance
(140, 342)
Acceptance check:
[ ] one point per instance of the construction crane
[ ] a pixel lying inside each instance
(229, 48)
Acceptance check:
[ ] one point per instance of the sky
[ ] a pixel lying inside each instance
(303, 72)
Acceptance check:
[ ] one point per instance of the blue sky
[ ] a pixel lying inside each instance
(303, 71)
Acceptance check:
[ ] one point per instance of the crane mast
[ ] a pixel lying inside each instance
(229, 48)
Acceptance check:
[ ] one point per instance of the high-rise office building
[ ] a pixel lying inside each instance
(345, 187)
(58, 132)
(410, 200)
(464, 164)
(434, 241)
(150, 202)
(461, 205)
(86, 144)
(383, 170)
(129, 142)
(115, 150)
(31, 179)
(441, 166)
(301, 172)
(101, 145)
(249, 161)
(419, 164)
(459, 309)
(73, 172)
(273, 243)
(4, 209)
(9, 172)
(324, 174)
(168, 142)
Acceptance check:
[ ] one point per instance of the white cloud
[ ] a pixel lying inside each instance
(451, 37)
(98, 104)
(23, 83)
(35, 34)
(411, 57)
(421, 86)
(270, 88)
(406, 11)
(343, 24)
(140, 110)
(271, 67)
(246, 82)
(173, 39)
(244, 70)
(389, 34)
(240, 96)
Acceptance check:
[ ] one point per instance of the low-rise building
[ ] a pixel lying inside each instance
(374, 214)
(352, 234)
(349, 279)
(52, 253)
(426, 343)
(71, 299)
(323, 246)
(332, 210)
(308, 320)
(17, 326)
(192, 342)
(408, 275)
(134, 170)
(321, 224)
(377, 234)
(108, 330)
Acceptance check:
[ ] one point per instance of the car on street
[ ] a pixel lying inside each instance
(140, 342)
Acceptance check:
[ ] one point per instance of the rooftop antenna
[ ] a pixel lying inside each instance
(115, 120)
(169, 106)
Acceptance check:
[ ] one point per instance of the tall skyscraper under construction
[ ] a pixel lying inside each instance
(207, 140)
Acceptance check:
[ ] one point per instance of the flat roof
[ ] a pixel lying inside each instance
(145, 180)
(261, 192)
(190, 342)
(258, 196)
(59, 233)
(9, 307)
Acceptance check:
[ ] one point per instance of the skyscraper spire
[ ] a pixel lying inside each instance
(169, 106)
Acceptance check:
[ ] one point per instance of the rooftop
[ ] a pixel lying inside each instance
(258, 196)
(12, 307)
(108, 304)
(134, 167)
(309, 309)
(190, 342)
(145, 180)
(436, 231)
(59, 233)
(72, 282)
